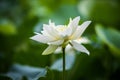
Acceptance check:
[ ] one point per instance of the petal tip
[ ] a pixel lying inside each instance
(89, 22)
(88, 53)
(36, 33)
(50, 21)
(44, 54)
(78, 17)
(31, 38)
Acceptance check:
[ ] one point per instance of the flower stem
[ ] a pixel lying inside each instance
(63, 49)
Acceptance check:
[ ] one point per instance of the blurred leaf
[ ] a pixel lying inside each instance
(49, 75)
(70, 59)
(111, 37)
(60, 17)
(38, 10)
(85, 7)
(103, 11)
(7, 27)
(50, 3)
(38, 27)
(17, 72)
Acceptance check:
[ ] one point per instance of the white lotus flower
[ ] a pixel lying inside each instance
(62, 35)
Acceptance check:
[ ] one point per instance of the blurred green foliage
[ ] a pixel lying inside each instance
(19, 19)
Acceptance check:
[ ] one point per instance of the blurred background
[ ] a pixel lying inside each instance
(21, 59)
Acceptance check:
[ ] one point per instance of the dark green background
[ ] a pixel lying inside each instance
(19, 19)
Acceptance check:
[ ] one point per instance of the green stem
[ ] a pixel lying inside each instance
(63, 49)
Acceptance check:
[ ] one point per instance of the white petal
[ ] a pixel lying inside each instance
(67, 31)
(68, 50)
(36, 33)
(41, 38)
(74, 23)
(50, 49)
(79, 31)
(48, 35)
(71, 26)
(70, 19)
(51, 31)
(51, 23)
(83, 40)
(58, 42)
(79, 47)
(58, 50)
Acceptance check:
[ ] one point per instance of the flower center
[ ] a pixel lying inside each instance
(61, 28)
